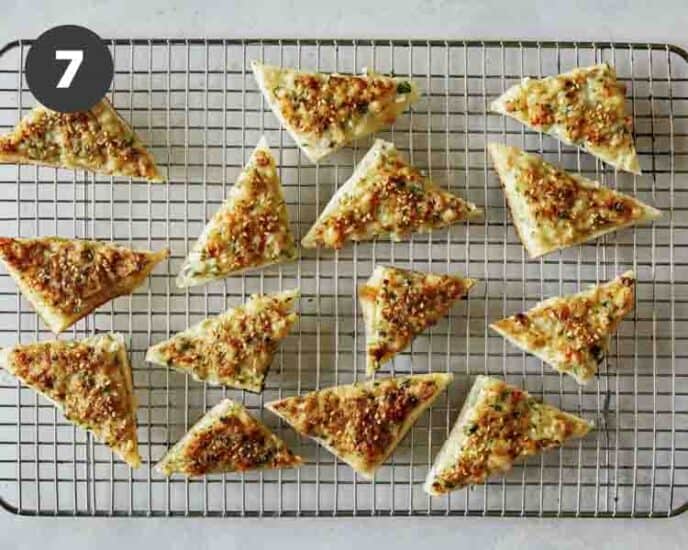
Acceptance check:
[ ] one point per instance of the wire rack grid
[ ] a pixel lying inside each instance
(194, 102)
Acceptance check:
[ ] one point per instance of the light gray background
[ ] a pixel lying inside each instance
(657, 20)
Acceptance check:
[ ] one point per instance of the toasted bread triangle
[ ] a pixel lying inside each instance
(398, 304)
(249, 231)
(233, 349)
(89, 380)
(362, 423)
(584, 107)
(66, 279)
(571, 333)
(227, 439)
(98, 140)
(386, 196)
(323, 112)
(553, 209)
(498, 425)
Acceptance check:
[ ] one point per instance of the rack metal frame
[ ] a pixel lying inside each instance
(194, 102)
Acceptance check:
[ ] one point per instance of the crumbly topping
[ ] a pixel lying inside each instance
(392, 198)
(406, 303)
(364, 422)
(505, 424)
(235, 348)
(88, 382)
(234, 442)
(73, 276)
(574, 330)
(588, 104)
(324, 104)
(563, 209)
(96, 139)
(251, 229)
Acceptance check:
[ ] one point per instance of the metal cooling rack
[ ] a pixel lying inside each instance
(196, 104)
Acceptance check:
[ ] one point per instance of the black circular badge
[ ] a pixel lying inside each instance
(69, 68)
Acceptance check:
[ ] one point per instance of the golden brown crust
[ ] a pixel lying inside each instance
(595, 120)
(235, 348)
(98, 140)
(247, 229)
(554, 195)
(390, 197)
(572, 332)
(233, 442)
(90, 380)
(324, 112)
(552, 209)
(250, 230)
(583, 107)
(70, 277)
(403, 304)
(362, 423)
(318, 103)
(228, 439)
(504, 424)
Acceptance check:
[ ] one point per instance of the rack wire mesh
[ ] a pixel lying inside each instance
(196, 104)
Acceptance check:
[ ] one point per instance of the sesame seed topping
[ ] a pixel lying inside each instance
(563, 207)
(233, 442)
(96, 139)
(88, 382)
(251, 229)
(573, 330)
(586, 105)
(364, 422)
(235, 348)
(73, 276)
(392, 198)
(322, 103)
(504, 424)
(406, 303)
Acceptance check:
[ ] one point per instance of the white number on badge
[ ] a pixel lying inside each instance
(75, 58)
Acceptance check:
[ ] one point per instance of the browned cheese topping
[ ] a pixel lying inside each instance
(564, 210)
(89, 383)
(588, 104)
(507, 424)
(238, 346)
(89, 139)
(255, 230)
(322, 103)
(236, 443)
(574, 329)
(364, 422)
(71, 275)
(393, 198)
(406, 304)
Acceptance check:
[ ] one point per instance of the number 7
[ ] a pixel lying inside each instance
(75, 58)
